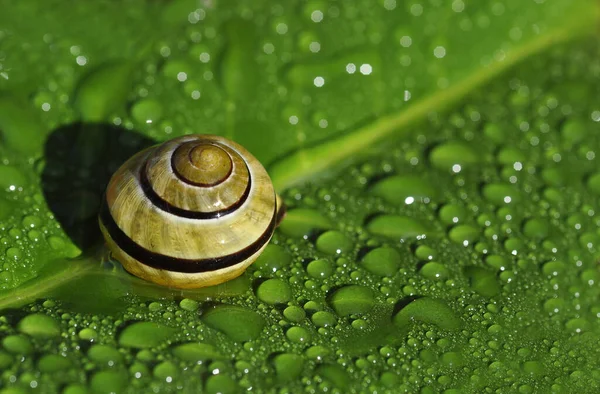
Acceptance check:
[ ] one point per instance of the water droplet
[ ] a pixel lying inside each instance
(334, 242)
(166, 371)
(288, 367)
(593, 183)
(113, 381)
(353, 299)
(298, 334)
(39, 326)
(11, 178)
(21, 130)
(452, 214)
(319, 269)
(427, 310)
(238, 323)
(294, 313)
(105, 354)
(196, 352)
(464, 234)
(88, 334)
(483, 281)
(498, 262)
(147, 111)
(17, 344)
(301, 222)
(6, 360)
(405, 189)
(453, 359)
(573, 131)
(383, 261)
(501, 194)
(221, 384)
(51, 363)
(536, 228)
(317, 353)
(433, 270)
(577, 325)
(554, 268)
(395, 226)
(273, 258)
(145, 334)
(449, 154)
(335, 374)
(103, 91)
(274, 291)
(323, 319)
(189, 304)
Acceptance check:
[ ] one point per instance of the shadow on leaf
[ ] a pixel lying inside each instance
(80, 158)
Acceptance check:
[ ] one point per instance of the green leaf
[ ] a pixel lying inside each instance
(355, 108)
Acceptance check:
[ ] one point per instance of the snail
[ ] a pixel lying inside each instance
(192, 212)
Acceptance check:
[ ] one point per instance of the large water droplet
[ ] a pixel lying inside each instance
(353, 299)
(145, 335)
(238, 323)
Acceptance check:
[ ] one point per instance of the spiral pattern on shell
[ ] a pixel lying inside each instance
(194, 211)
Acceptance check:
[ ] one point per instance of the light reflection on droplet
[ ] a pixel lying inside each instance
(268, 48)
(515, 34)
(350, 68)
(81, 60)
(281, 28)
(165, 51)
(389, 4)
(319, 81)
(204, 57)
(366, 69)
(406, 41)
(458, 6)
(556, 157)
(316, 16)
(439, 52)
(416, 9)
(314, 46)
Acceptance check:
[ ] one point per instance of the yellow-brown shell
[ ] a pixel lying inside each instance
(194, 211)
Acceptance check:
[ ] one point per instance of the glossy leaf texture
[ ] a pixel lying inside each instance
(438, 163)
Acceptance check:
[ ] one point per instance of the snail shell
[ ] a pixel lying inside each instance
(194, 211)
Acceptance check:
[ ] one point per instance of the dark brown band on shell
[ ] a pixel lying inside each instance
(174, 264)
(160, 203)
